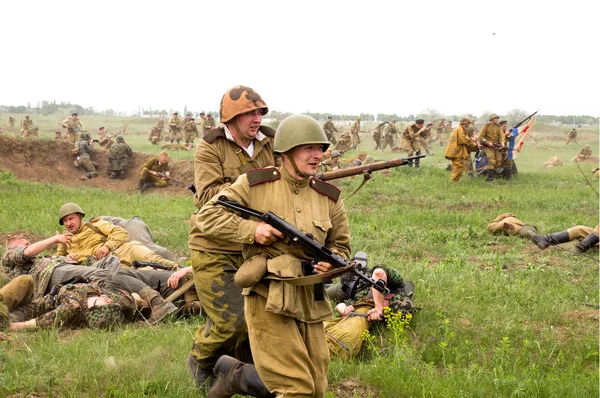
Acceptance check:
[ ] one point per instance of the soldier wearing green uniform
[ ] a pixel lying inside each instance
(175, 128)
(11, 122)
(156, 132)
(190, 130)
(118, 158)
(73, 126)
(492, 138)
(411, 138)
(390, 135)
(355, 130)
(222, 156)
(149, 172)
(285, 323)
(330, 129)
(208, 124)
(83, 147)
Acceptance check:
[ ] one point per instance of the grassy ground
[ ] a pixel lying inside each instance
(497, 316)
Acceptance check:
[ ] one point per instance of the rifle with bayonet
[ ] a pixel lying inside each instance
(368, 168)
(313, 248)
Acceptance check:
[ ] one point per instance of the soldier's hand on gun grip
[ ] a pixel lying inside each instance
(374, 315)
(266, 234)
(322, 267)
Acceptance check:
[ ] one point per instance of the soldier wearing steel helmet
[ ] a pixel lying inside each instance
(222, 156)
(411, 138)
(492, 139)
(83, 148)
(208, 123)
(285, 323)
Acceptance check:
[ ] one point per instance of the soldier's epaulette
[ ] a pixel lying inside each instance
(268, 131)
(260, 176)
(94, 219)
(213, 134)
(324, 188)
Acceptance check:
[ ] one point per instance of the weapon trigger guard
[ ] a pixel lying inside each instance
(366, 174)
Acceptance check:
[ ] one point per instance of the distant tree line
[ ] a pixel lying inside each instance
(514, 116)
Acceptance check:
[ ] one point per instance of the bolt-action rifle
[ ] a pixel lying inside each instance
(168, 177)
(313, 248)
(141, 264)
(368, 168)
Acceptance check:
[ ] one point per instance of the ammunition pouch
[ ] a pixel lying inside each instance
(251, 271)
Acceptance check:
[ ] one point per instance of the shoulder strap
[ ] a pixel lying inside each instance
(260, 176)
(324, 188)
(213, 134)
(96, 230)
(268, 131)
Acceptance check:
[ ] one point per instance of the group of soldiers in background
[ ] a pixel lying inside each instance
(186, 130)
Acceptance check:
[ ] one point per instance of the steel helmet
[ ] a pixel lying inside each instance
(299, 130)
(335, 154)
(68, 208)
(493, 116)
(238, 100)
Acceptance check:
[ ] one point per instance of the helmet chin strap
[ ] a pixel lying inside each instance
(237, 129)
(293, 163)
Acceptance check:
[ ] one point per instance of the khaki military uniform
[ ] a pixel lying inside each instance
(208, 124)
(73, 127)
(175, 128)
(354, 130)
(457, 151)
(11, 122)
(572, 136)
(285, 323)
(344, 143)
(584, 154)
(15, 293)
(97, 233)
(190, 131)
(554, 161)
(153, 164)
(156, 133)
(492, 133)
(118, 158)
(471, 148)
(83, 158)
(330, 128)
(410, 139)
(390, 136)
(508, 224)
(439, 132)
(26, 126)
(218, 163)
(580, 232)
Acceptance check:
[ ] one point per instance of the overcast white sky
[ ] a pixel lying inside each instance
(400, 57)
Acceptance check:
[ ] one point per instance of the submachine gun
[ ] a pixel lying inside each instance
(313, 248)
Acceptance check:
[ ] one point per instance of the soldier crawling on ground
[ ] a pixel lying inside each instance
(118, 158)
(584, 154)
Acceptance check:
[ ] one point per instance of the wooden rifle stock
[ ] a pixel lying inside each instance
(367, 168)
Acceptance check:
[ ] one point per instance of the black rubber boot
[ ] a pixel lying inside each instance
(590, 241)
(490, 175)
(236, 377)
(507, 174)
(552, 239)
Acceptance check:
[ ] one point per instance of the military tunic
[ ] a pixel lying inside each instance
(72, 126)
(26, 126)
(87, 240)
(390, 136)
(156, 133)
(329, 128)
(11, 122)
(208, 124)
(118, 158)
(457, 151)
(83, 158)
(492, 133)
(153, 164)
(355, 129)
(190, 131)
(410, 139)
(285, 323)
(508, 224)
(175, 128)
(218, 162)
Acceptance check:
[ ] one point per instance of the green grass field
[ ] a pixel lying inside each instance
(498, 317)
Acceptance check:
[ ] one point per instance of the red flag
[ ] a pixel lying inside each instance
(520, 141)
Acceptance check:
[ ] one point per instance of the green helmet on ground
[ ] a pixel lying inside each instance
(299, 130)
(105, 316)
(68, 208)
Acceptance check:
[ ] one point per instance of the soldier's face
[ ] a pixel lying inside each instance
(72, 222)
(248, 124)
(308, 158)
(163, 158)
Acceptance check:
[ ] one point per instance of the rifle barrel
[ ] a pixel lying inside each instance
(352, 171)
